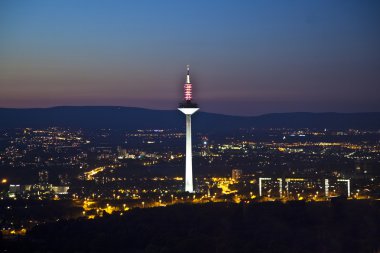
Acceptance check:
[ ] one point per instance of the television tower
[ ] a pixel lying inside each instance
(188, 108)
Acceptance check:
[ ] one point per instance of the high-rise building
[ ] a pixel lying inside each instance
(205, 150)
(188, 108)
(236, 174)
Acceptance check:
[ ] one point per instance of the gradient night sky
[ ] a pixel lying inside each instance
(247, 57)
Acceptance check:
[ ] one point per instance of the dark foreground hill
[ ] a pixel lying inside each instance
(352, 226)
(129, 118)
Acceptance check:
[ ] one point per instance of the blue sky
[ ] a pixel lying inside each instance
(246, 57)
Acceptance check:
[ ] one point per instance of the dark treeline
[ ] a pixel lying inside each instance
(340, 226)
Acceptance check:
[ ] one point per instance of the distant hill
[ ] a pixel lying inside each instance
(130, 118)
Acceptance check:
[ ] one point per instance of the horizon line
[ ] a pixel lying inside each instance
(174, 109)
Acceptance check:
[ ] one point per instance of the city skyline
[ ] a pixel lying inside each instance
(254, 57)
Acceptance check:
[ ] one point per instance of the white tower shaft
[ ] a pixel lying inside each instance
(189, 155)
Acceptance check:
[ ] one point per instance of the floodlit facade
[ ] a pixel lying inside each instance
(188, 108)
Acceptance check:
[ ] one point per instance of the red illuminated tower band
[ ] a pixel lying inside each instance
(188, 93)
(187, 86)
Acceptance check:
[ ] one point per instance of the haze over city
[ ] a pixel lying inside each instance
(246, 57)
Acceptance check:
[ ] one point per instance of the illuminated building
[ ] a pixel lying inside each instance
(205, 147)
(280, 186)
(279, 180)
(188, 108)
(13, 190)
(348, 182)
(261, 179)
(236, 174)
(60, 189)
